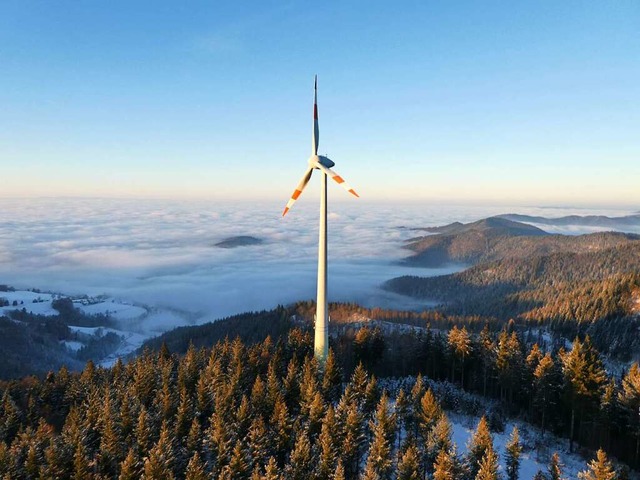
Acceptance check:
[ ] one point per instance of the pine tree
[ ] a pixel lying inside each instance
(274, 388)
(339, 474)
(111, 447)
(130, 467)
(127, 419)
(290, 384)
(316, 413)
(184, 415)
(599, 468)
(379, 460)
(629, 397)
(281, 429)
(409, 464)
(555, 467)
(159, 463)
(488, 467)
(444, 467)
(300, 465)
(271, 471)
(480, 443)
(9, 418)
(438, 439)
(194, 438)
(403, 413)
(428, 413)
(385, 419)
(81, 469)
(219, 443)
(203, 398)
(547, 383)
(258, 442)
(584, 378)
(608, 412)
(32, 462)
(238, 467)
(143, 433)
(4, 458)
(259, 400)
(327, 446)
(460, 346)
(308, 385)
(332, 378)
(371, 396)
(487, 356)
(509, 364)
(353, 439)
(417, 392)
(512, 457)
(242, 418)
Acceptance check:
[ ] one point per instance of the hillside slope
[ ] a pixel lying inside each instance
(596, 277)
(497, 238)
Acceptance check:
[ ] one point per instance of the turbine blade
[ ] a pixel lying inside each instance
(296, 193)
(337, 178)
(315, 141)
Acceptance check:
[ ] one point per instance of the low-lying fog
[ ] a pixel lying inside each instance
(163, 253)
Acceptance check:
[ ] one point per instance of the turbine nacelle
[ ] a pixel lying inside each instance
(316, 162)
(324, 161)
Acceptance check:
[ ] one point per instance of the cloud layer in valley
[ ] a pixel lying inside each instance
(163, 254)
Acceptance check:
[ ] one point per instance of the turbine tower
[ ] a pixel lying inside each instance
(323, 164)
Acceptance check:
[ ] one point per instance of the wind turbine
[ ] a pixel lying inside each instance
(323, 164)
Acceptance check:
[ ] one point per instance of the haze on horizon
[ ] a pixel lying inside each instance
(535, 102)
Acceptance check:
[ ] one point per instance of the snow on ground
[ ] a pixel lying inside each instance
(131, 341)
(119, 311)
(33, 302)
(72, 345)
(138, 323)
(536, 452)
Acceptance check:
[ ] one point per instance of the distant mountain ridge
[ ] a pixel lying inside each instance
(465, 243)
(494, 226)
(497, 238)
(578, 220)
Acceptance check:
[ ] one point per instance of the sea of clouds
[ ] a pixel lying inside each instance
(162, 253)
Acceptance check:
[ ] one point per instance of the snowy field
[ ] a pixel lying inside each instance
(132, 318)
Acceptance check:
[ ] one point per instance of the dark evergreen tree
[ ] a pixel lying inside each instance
(629, 397)
(159, 464)
(301, 465)
(584, 379)
(480, 443)
(332, 378)
(130, 467)
(409, 464)
(513, 450)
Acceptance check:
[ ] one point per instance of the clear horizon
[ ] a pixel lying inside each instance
(532, 104)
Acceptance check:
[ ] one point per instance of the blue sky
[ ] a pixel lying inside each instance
(497, 102)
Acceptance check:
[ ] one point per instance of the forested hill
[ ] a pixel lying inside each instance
(267, 411)
(498, 238)
(601, 281)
